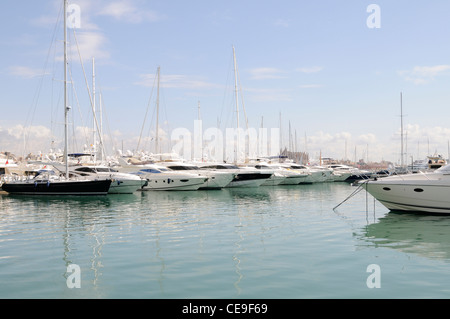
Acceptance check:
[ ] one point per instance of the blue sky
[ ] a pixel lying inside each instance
(315, 63)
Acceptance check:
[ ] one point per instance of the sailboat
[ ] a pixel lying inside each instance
(51, 184)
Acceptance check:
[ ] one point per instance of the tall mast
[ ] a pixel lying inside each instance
(157, 115)
(93, 110)
(237, 106)
(401, 130)
(66, 107)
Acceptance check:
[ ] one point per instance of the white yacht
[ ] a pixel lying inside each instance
(216, 179)
(314, 176)
(288, 177)
(326, 173)
(348, 173)
(243, 177)
(420, 192)
(276, 178)
(160, 178)
(341, 172)
(121, 183)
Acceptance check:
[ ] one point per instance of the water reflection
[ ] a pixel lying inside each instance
(424, 235)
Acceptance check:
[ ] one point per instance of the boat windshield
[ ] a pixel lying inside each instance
(150, 170)
(183, 168)
(220, 167)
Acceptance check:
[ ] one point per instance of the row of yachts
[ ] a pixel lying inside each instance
(178, 175)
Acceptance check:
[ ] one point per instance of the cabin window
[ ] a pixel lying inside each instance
(418, 190)
(386, 188)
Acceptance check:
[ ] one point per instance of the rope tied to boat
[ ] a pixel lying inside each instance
(356, 191)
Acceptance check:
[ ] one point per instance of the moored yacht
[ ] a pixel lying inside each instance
(52, 184)
(243, 177)
(288, 177)
(419, 192)
(314, 176)
(121, 183)
(160, 178)
(216, 179)
(63, 184)
(352, 174)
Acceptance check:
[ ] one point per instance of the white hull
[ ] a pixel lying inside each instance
(125, 186)
(340, 176)
(170, 184)
(294, 180)
(274, 180)
(243, 176)
(162, 179)
(413, 192)
(246, 183)
(122, 183)
(217, 180)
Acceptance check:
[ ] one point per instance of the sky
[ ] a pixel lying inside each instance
(339, 73)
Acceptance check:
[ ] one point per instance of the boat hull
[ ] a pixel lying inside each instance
(83, 187)
(171, 184)
(125, 186)
(216, 180)
(249, 180)
(427, 196)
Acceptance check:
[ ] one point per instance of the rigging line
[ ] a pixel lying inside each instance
(242, 98)
(107, 121)
(148, 137)
(163, 98)
(146, 112)
(38, 89)
(227, 89)
(87, 87)
(75, 95)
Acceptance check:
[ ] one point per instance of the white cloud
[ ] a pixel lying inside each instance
(312, 69)
(91, 44)
(176, 81)
(25, 72)
(423, 74)
(266, 73)
(368, 138)
(282, 23)
(310, 86)
(37, 138)
(266, 95)
(126, 10)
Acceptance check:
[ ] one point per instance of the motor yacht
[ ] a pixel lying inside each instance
(216, 179)
(243, 177)
(420, 192)
(121, 183)
(160, 178)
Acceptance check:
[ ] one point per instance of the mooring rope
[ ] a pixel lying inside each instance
(356, 191)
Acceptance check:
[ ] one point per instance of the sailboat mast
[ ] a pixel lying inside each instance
(237, 106)
(157, 115)
(66, 107)
(401, 129)
(93, 110)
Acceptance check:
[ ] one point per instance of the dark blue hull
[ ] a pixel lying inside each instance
(84, 187)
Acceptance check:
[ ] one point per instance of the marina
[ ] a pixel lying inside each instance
(122, 179)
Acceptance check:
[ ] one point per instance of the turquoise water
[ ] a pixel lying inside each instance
(267, 242)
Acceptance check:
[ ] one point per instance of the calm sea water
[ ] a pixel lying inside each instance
(267, 242)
